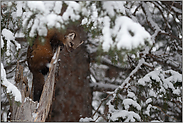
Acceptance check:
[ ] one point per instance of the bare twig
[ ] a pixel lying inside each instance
(101, 103)
(166, 20)
(171, 35)
(97, 118)
(102, 115)
(164, 112)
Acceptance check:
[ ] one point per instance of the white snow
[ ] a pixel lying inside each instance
(123, 27)
(177, 91)
(19, 8)
(19, 34)
(9, 86)
(53, 19)
(48, 15)
(36, 5)
(165, 82)
(127, 102)
(2, 42)
(71, 11)
(86, 119)
(175, 75)
(8, 34)
(148, 109)
(92, 78)
(143, 80)
(128, 115)
(156, 121)
(111, 6)
(54, 58)
(58, 6)
(4, 117)
(149, 100)
(110, 106)
(146, 78)
(152, 93)
(49, 5)
(34, 28)
(132, 95)
(128, 33)
(106, 34)
(168, 84)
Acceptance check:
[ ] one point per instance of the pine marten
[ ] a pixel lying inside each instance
(41, 52)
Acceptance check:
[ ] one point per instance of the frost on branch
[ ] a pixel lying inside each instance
(128, 34)
(9, 44)
(8, 47)
(149, 97)
(9, 86)
(44, 15)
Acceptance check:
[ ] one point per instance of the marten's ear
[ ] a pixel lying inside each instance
(71, 36)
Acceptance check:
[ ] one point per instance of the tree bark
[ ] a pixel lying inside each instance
(73, 95)
(28, 110)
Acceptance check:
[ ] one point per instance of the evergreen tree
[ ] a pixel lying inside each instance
(128, 68)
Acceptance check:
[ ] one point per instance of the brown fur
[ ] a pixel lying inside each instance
(41, 52)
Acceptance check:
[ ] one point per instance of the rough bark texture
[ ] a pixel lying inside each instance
(27, 110)
(73, 97)
(22, 112)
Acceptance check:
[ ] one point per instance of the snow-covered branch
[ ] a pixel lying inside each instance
(9, 86)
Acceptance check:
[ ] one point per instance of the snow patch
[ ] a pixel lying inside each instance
(58, 7)
(129, 115)
(19, 8)
(8, 34)
(9, 86)
(86, 119)
(132, 95)
(149, 100)
(36, 5)
(152, 93)
(129, 34)
(106, 34)
(128, 102)
(112, 6)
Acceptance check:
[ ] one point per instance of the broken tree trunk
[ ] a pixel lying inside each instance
(29, 110)
(47, 94)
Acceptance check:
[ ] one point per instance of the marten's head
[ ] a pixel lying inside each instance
(72, 40)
